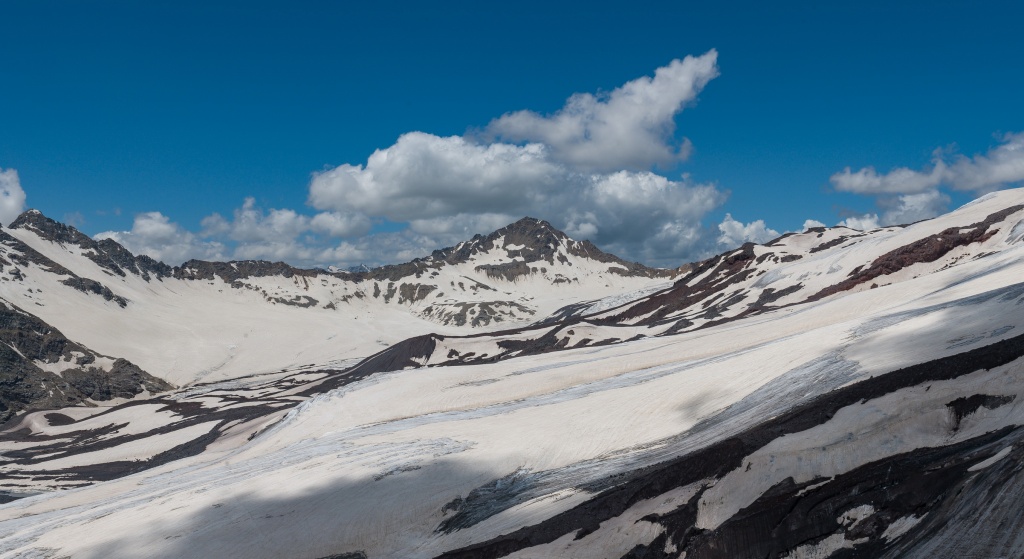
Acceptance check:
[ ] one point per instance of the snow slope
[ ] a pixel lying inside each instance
(837, 420)
(205, 322)
(759, 279)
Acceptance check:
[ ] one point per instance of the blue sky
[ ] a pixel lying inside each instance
(199, 128)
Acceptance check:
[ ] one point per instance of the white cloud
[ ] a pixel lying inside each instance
(910, 208)
(906, 195)
(12, 197)
(901, 180)
(155, 235)
(641, 215)
(423, 176)
(460, 227)
(630, 128)
(901, 210)
(293, 251)
(253, 233)
(585, 169)
(253, 225)
(735, 233)
(338, 224)
(864, 222)
(214, 225)
(444, 186)
(1002, 166)
(691, 240)
(812, 223)
(400, 246)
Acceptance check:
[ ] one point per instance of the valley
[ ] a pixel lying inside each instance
(829, 393)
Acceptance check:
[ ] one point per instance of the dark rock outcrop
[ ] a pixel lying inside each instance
(721, 272)
(236, 270)
(25, 340)
(86, 285)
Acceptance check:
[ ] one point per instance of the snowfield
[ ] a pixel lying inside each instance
(709, 417)
(264, 323)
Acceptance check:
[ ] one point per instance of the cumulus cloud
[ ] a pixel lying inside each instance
(449, 185)
(812, 223)
(156, 236)
(12, 197)
(910, 208)
(641, 215)
(399, 246)
(423, 176)
(901, 210)
(1001, 166)
(253, 225)
(865, 222)
(585, 168)
(288, 250)
(252, 233)
(338, 224)
(734, 233)
(461, 226)
(906, 195)
(632, 127)
(283, 234)
(901, 180)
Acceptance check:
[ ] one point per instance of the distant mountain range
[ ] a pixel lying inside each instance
(226, 313)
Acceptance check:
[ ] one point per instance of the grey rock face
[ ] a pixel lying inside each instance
(25, 341)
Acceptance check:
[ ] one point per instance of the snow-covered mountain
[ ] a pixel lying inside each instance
(206, 321)
(784, 273)
(832, 393)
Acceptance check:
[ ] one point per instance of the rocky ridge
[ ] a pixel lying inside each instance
(752, 280)
(42, 369)
(506, 279)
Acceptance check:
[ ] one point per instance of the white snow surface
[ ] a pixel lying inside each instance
(370, 467)
(186, 331)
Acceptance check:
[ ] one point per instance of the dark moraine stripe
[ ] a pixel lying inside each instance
(927, 249)
(94, 440)
(719, 458)
(394, 358)
(921, 483)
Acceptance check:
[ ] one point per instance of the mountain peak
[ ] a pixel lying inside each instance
(533, 223)
(50, 229)
(107, 253)
(530, 231)
(533, 240)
